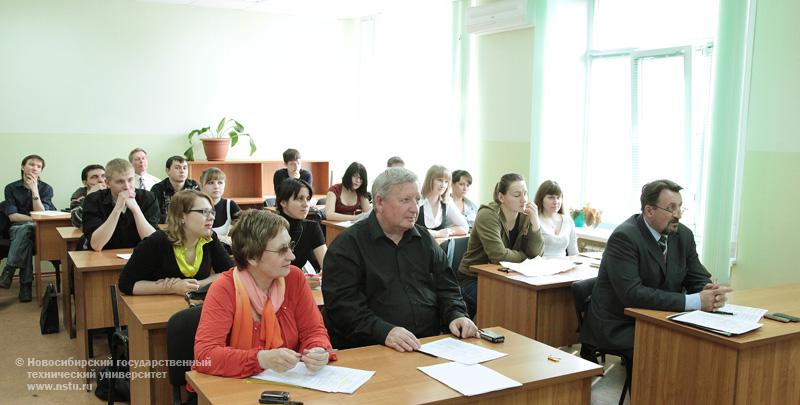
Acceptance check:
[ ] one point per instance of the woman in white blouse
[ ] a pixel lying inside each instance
(437, 212)
(558, 230)
(462, 180)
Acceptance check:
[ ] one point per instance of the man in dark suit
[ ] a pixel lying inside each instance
(650, 262)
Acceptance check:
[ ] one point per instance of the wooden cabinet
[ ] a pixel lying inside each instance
(249, 182)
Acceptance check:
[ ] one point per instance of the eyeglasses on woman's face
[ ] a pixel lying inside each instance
(206, 212)
(283, 250)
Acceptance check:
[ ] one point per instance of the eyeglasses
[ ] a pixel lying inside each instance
(284, 250)
(206, 212)
(673, 211)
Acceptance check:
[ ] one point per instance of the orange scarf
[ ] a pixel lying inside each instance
(247, 298)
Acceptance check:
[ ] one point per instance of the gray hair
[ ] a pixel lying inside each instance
(390, 178)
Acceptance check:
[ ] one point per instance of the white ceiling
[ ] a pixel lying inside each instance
(308, 8)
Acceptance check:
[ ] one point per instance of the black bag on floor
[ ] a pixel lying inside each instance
(48, 320)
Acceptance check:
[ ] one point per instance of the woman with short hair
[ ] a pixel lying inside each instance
(260, 315)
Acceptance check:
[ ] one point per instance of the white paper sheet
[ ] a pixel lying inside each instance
(125, 256)
(592, 255)
(539, 266)
(742, 313)
(469, 380)
(50, 213)
(580, 273)
(459, 351)
(328, 379)
(723, 323)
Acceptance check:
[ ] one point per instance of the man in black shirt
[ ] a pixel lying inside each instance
(291, 158)
(28, 194)
(121, 215)
(386, 280)
(177, 180)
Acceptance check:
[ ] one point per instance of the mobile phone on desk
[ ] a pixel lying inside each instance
(787, 316)
(278, 401)
(491, 336)
(275, 395)
(775, 317)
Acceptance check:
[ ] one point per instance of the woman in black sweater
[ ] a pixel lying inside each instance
(292, 202)
(181, 258)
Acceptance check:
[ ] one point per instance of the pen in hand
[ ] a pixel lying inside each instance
(722, 313)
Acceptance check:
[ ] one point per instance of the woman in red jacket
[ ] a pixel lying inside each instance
(261, 314)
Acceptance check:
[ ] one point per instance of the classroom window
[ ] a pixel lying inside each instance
(647, 102)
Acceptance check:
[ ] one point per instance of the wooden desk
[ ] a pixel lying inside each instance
(70, 236)
(95, 272)
(397, 380)
(147, 333)
(759, 367)
(48, 244)
(333, 229)
(545, 312)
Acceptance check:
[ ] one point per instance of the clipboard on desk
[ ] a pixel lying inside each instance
(725, 325)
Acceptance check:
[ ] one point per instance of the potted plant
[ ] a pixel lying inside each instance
(217, 142)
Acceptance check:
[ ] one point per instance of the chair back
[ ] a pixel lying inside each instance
(455, 248)
(181, 329)
(582, 295)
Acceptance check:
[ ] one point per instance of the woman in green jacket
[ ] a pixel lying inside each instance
(506, 229)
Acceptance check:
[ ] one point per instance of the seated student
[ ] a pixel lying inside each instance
(94, 179)
(23, 196)
(180, 259)
(506, 229)
(348, 200)
(121, 215)
(462, 180)
(436, 211)
(260, 315)
(291, 158)
(177, 173)
(292, 201)
(142, 179)
(386, 281)
(395, 161)
(558, 230)
(213, 182)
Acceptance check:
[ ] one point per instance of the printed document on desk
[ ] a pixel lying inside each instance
(742, 313)
(539, 266)
(576, 274)
(461, 352)
(723, 324)
(327, 379)
(50, 213)
(468, 379)
(124, 256)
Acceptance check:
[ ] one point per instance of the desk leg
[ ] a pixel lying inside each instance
(671, 367)
(37, 266)
(505, 304)
(66, 295)
(80, 315)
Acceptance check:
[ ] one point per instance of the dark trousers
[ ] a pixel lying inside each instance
(20, 252)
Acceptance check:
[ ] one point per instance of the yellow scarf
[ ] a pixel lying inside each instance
(189, 270)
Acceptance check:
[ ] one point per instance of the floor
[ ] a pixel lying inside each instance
(22, 342)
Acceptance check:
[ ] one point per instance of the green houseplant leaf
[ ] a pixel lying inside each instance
(226, 127)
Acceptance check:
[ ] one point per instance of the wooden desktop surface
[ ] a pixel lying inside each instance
(542, 312)
(397, 380)
(48, 244)
(675, 363)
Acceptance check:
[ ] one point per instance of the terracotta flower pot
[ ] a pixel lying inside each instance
(216, 148)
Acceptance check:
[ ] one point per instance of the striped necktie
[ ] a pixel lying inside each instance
(141, 183)
(662, 243)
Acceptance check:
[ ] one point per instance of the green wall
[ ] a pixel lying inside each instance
(770, 193)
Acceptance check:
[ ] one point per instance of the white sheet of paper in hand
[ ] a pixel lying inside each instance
(724, 323)
(125, 256)
(328, 379)
(539, 266)
(469, 379)
(462, 352)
